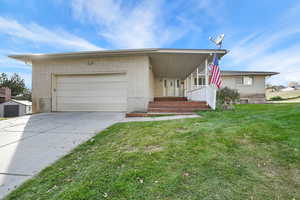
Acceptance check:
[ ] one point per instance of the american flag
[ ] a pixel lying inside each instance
(215, 73)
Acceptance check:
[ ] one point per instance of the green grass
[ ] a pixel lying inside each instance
(250, 153)
(2, 118)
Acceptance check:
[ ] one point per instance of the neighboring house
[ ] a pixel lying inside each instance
(5, 95)
(250, 84)
(297, 87)
(287, 89)
(15, 108)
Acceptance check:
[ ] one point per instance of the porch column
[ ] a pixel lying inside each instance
(206, 72)
(191, 81)
(197, 77)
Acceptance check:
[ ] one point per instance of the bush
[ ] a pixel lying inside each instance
(226, 97)
(276, 98)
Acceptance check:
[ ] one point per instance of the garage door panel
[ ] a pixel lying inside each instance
(92, 107)
(91, 86)
(91, 78)
(102, 100)
(91, 93)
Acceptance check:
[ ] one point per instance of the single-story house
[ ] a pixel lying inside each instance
(120, 80)
(15, 108)
(287, 89)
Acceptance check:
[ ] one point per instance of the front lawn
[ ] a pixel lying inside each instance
(250, 153)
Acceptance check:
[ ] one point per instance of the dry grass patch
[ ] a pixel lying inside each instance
(153, 148)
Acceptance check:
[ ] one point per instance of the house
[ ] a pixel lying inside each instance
(250, 84)
(297, 87)
(114, 80)
(5, 94)
(287, 89)
(15, 108)
(136, 80)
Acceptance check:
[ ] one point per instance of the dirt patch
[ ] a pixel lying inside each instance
(246, 142)
(153, 148)
(296, 176)
(181, 130)
(129, 149)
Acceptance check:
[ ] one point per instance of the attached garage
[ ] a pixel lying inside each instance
(95, 92)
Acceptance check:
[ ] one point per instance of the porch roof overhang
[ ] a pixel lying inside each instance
(182, 63)
(169, 63)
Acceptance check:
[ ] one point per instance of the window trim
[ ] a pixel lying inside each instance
(240, 80)
(243, 80)
(201, 81)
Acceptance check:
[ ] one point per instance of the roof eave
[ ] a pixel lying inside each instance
(251, 73)
(30, 57)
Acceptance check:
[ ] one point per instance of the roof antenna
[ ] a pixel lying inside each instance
(218, 41)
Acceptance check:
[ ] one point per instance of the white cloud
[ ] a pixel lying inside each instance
(8, 62)
(273, 49)
(136, 26)
(259, 43)
(286, 61)
(35, 33)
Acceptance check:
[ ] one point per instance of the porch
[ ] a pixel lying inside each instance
(180, 82)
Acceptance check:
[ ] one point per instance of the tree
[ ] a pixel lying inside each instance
(3, 78)
(25, 96)
(15, 83)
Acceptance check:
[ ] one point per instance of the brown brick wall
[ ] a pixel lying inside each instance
(5, 95)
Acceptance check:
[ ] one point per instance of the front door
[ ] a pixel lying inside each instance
(173, 88)
(170, 88)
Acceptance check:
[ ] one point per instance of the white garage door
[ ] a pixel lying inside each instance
(91, 92)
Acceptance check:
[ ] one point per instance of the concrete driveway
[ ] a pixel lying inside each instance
(30, 143)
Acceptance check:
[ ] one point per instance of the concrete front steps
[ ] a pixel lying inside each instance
(175, 105)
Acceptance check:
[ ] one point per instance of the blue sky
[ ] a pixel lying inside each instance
(260, 34)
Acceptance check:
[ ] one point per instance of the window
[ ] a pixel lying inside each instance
(247, 80)
(178, 83)
(239, 80)
(165, 83)
(244, 80)
(201, 81)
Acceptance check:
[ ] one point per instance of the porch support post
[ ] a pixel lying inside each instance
(191, 81)
(206, 72)
(197, 77)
